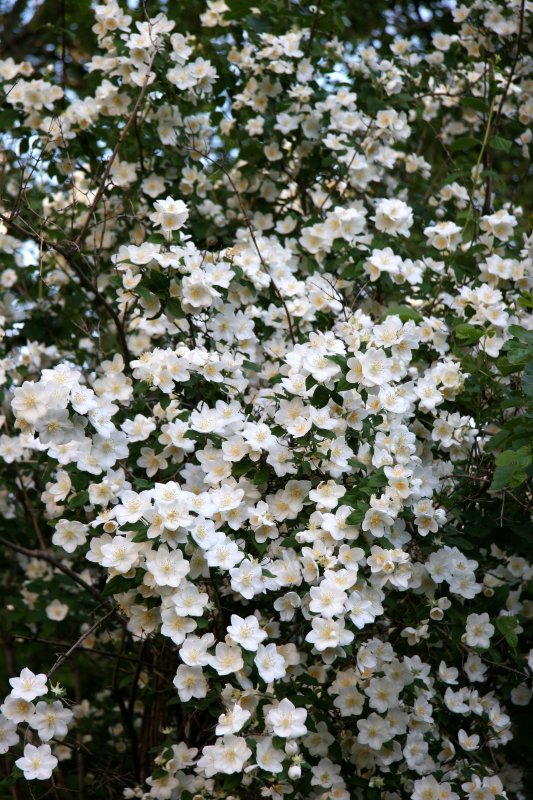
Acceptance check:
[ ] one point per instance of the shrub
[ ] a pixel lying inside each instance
(267, 387)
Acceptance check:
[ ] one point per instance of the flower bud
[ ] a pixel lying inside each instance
(295, 771)
(291, 747)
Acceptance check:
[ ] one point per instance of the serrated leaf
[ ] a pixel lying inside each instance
(523, 334)
(511, 466)
(499, 143)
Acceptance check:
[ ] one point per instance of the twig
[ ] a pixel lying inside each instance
(314, 28)
(248, 224)
(40, 554)
(68, 250)
(63, 657)
(103, 183)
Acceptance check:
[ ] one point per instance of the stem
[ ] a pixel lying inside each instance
(82, 638)
(39, 554)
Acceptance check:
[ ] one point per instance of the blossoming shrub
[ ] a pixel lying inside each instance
(267, 383)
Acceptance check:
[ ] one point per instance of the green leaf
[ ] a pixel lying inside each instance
(157, 281)
(142, 536)
(251, 366)
(261, 476)
(469, 334)
(511, 466)
(499, 143)
(144, 292)
(526, 300)
(321, 397)
(507, 627)
(476, 103)
(465, 143)
(527, 380)
(521, 457)
(174, 310)
(518, 354)
(523, 334)
(404, 312)
(79, 499)
(240, 468)
(355, 518)
(117, 585)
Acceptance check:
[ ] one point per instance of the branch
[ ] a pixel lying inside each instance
(68, 251)
(102, 187)
(25, 551)
(252, 234)
(63, 657)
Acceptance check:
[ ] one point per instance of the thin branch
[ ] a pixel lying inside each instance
(40, 554)
(248, 224)
(66, 250)
(314, 28)
(103, 183)
(63, 657)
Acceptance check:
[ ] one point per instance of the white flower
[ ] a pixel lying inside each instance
(175, 626)
(246, 632)
(393, 217)
(28, 686)
(17, 710)
(270, 663)
(190, 682)
(30, 401)
(247, 579)
(376, 368)
(360, 610)
(37, 763)
(69, 535)
(51, 720)
(374, 731)
(132, 506)
(56, 610)
(224, 555)
(232, 721)
(188, 601)
(120, 554)
(328, 633)
(468, 741)
(194, 650)
(430, 789)
(8, 734)
(227, 659)
(268, 758)
(170, 214)
(327, 494)
(228, 756)
(168, 567)
(443, 235)
(478, 630)
(327, 599)
(286, 720)
(500, 224)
